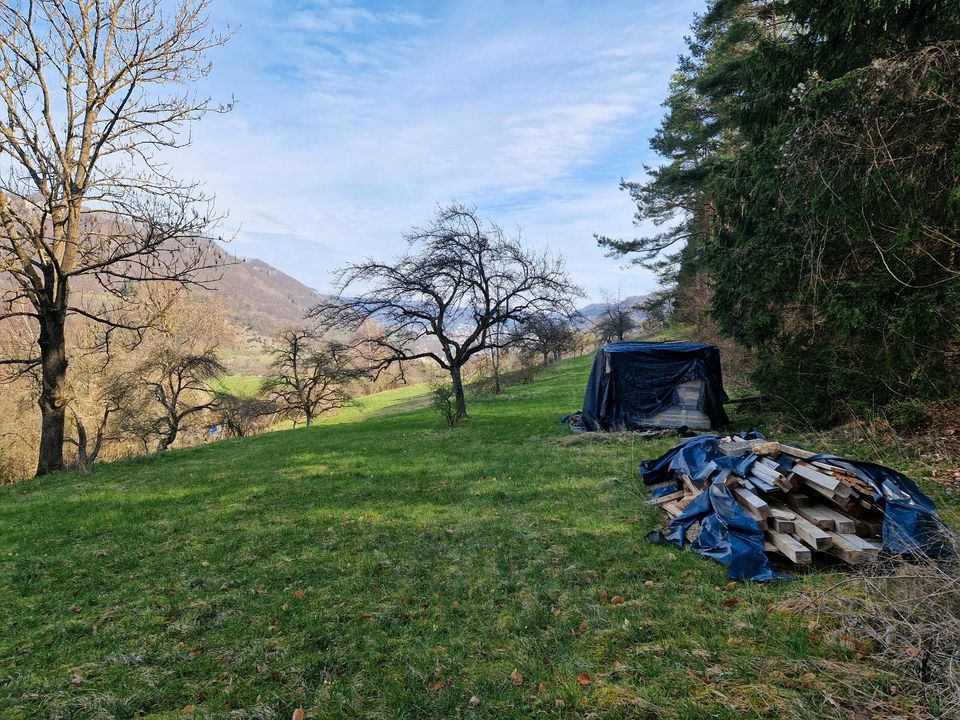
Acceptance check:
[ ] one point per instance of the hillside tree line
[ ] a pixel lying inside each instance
(810, 194)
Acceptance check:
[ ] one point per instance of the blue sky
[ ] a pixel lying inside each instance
(354, 120)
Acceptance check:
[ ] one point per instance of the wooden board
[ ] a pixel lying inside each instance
(811, 535)
(789, 546)
(755, 507)
(781, 526)
(849, 550)
(841, 522)
(822, 521)
(668, 497)
(796, 452)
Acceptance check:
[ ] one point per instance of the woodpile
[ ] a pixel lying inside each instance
(804, 506)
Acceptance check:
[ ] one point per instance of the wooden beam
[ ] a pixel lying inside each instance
(779, 525)
(841, 522)
(668, 497)
(796, 452)
(789, 546)
(811, 535)
(755, 507)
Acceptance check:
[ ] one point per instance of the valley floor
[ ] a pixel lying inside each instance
(394, 568)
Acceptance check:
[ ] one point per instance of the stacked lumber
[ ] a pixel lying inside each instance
(804, 506)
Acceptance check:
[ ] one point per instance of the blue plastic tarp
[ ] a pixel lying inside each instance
(731, 536)
(632, 381)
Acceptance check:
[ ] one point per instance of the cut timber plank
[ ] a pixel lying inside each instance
(755, 507)
(761, 484)
(796, 452)
(770, 547)
(850, 551)
(738, 447)
(780, 526)
(672, 508)
(822, 521)
(782, 513)
(788, 545)
(688, 483)
(842, 523)
(668, 497)
(799, 499)
(810, 534)
(686, 500)
(814, 476)
(871, 548)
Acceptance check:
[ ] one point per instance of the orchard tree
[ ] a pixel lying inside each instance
(445, 300)
(545, 335)
(93, 93)
(311, 375)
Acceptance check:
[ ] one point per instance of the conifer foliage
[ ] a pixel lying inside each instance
(813, 174)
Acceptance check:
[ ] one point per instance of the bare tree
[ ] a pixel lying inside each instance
(181, 385)
(546, 335)
(92, 94)
(615, 321)
(242, 415)
(445, 301)
(311, 375)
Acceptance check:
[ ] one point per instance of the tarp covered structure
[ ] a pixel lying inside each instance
(731, 536)
(631, 382)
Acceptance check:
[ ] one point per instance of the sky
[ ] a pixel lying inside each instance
(354, 121)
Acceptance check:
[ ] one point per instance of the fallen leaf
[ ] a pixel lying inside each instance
(730, 585)
(649, 583)
(203, 564)
(557, 612)
(516, 678)
(616, 600)
(188, 710)
(474, 701)
(584, 678)
(298, 594)
(671, 557)
(582, 627)
(196, 652)
(435, 685)
(297, 714)
(603, 597)
(730, 602)
(542, 688)
(617, 665)
(911, 651)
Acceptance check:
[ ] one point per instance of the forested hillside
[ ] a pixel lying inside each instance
(810, 198)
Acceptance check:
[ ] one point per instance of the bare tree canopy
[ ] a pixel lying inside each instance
(311, 375)
(615, 321)
(92, 93)
(443, 300)
(545, 335)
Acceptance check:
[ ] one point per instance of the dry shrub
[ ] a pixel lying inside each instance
(904, 618)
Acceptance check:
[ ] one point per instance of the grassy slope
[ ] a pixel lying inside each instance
(432, 563)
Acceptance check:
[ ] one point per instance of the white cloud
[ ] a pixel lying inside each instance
(354, 123)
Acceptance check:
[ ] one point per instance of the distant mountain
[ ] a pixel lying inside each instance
(592, 311)
(260, 298)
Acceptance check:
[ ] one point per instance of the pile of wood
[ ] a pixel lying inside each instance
(803, 505)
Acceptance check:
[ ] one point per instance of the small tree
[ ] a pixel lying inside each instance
(445, 301)
(614, 322)
(545, 336)
(180, 383)
(241, 415)
(311, 375)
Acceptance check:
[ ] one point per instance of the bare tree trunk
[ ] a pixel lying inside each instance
(461, 398)
(53, 411)
(170, 438)
(308, 417)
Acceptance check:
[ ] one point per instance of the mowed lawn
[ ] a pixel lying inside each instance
(390, 568)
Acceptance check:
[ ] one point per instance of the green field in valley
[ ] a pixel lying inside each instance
(385, 566)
